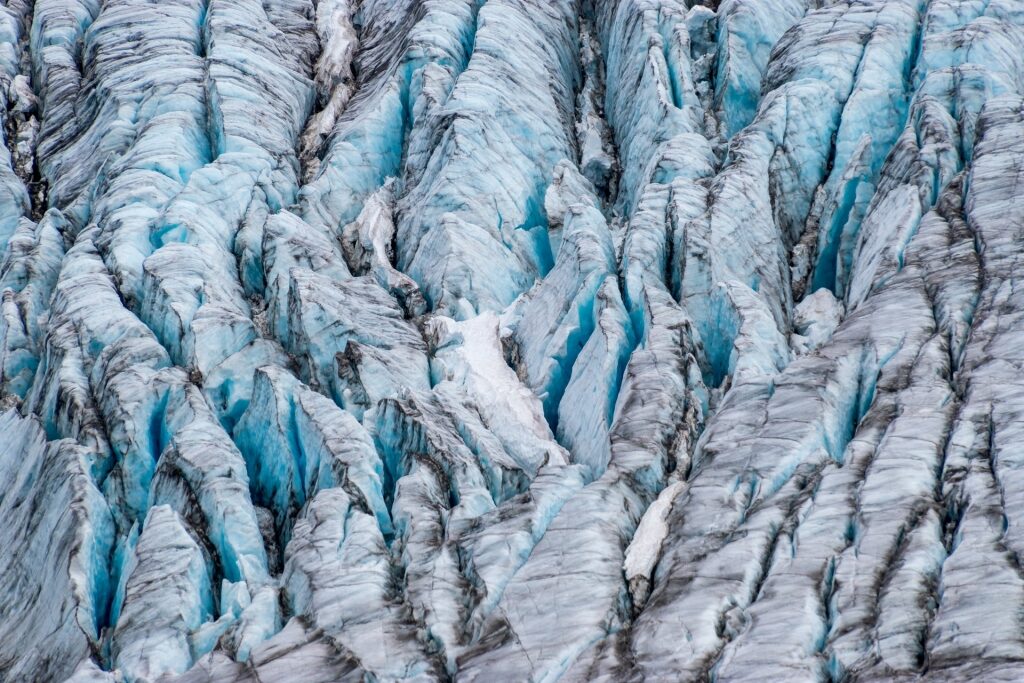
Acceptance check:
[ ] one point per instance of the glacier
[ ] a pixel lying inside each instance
(511, 340)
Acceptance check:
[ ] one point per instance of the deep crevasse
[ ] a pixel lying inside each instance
(511, 340)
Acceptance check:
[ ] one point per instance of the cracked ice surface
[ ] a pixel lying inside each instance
(511, 340)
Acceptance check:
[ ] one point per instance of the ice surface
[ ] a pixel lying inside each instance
(526, 340)
(64, 532)
(167, 597)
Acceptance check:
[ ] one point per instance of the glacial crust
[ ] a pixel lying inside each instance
(511, 340)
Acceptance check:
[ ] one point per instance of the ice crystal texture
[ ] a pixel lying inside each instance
(511, 340)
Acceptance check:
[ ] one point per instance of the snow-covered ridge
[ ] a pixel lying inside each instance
(511, 340)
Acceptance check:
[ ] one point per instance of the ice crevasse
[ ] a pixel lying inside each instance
(511, 340)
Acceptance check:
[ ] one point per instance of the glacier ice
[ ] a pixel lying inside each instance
(526, 340)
